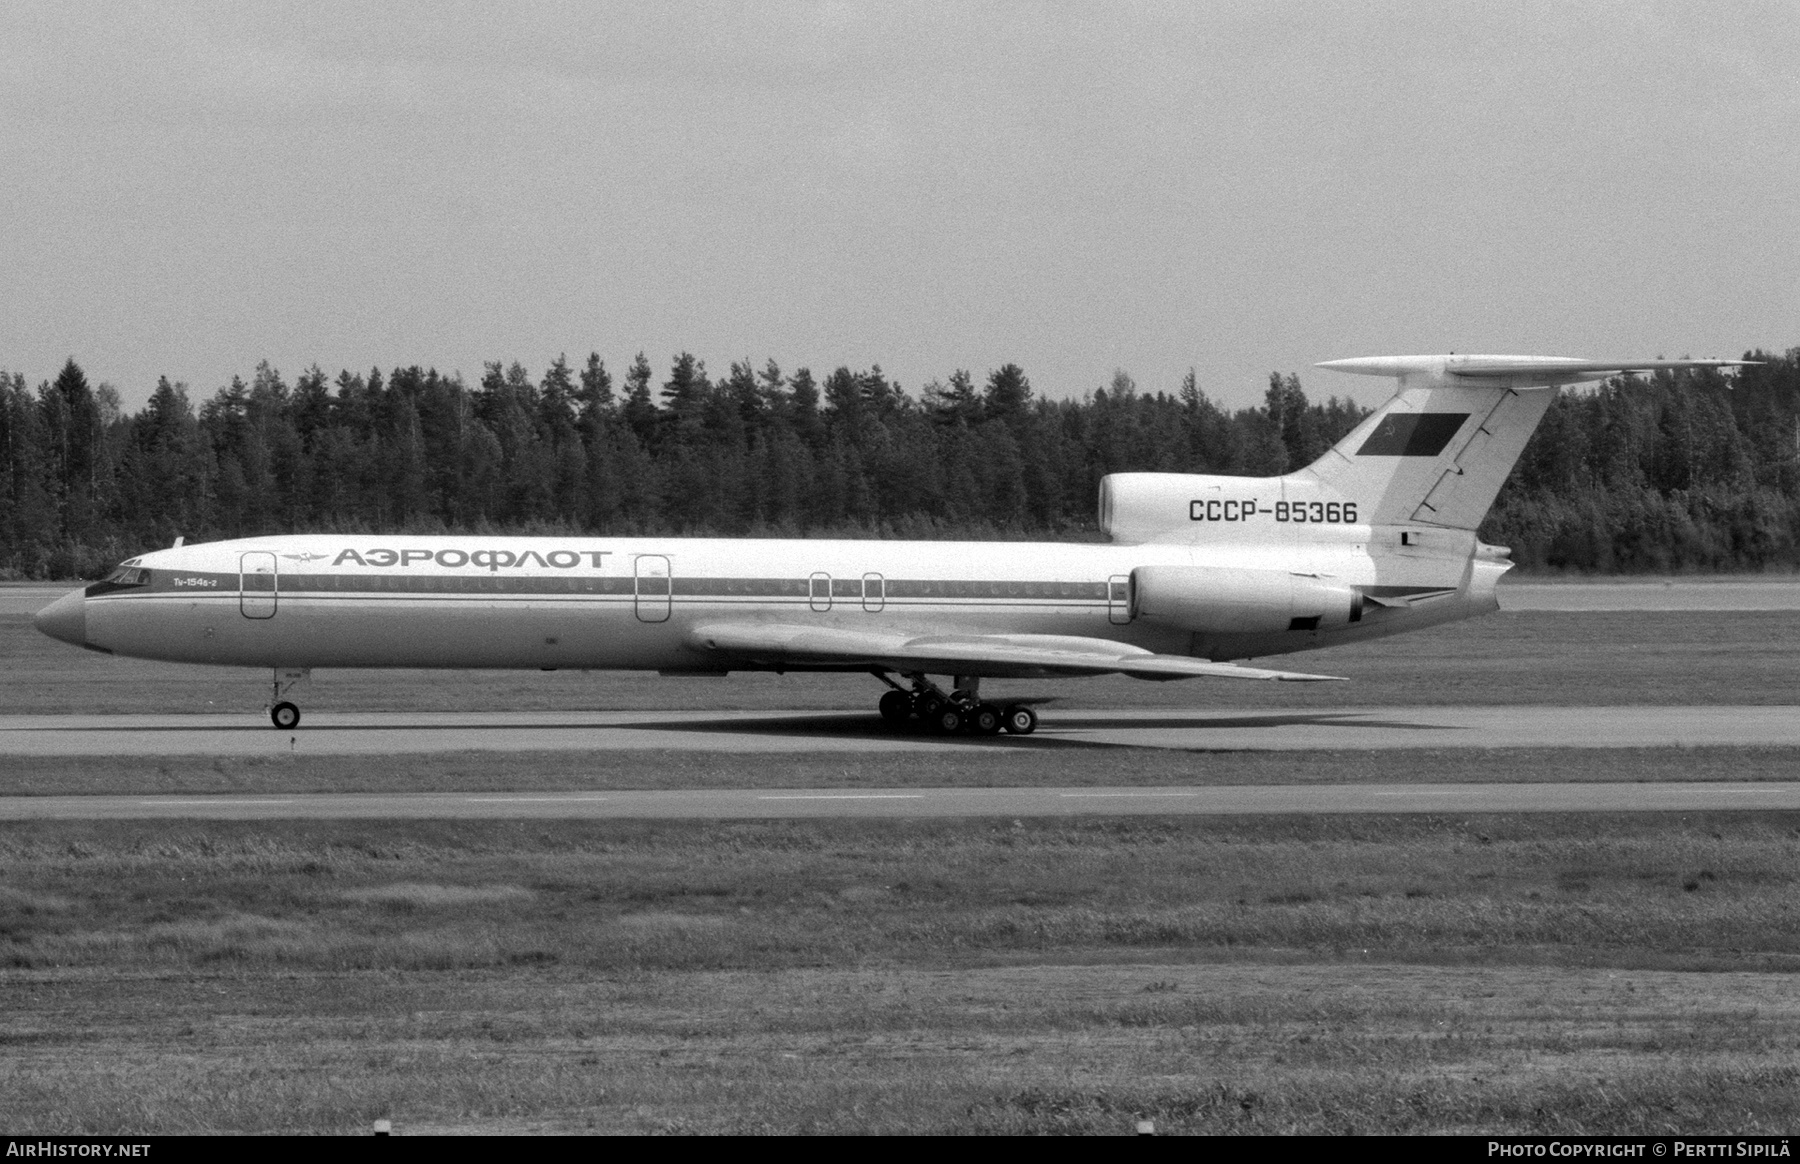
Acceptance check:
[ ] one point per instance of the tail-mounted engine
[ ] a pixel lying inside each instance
(1228, 601)
(1182, 507)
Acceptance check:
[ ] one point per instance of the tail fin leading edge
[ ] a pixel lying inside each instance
(1437, 452)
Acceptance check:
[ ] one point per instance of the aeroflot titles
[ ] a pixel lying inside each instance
(490, 560)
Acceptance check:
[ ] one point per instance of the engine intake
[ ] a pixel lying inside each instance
(1230, 601)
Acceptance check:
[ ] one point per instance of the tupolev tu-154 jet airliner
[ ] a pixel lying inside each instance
(1375, 537)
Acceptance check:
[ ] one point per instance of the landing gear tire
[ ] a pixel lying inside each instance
(1020, 721)
(947, 720)
(986, 720)
(285, 716)
(896, 707)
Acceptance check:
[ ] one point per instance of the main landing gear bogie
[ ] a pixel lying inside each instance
(896, 707)
(947, 715)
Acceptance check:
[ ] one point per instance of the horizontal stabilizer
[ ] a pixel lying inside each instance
(1509, 371)
(993, 656)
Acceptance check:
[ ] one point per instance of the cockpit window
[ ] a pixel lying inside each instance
(129, 576)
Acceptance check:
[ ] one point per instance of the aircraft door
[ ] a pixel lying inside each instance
(818, 591)
(655, 588)
(257, 585)
(1118, 599)
(874, 592)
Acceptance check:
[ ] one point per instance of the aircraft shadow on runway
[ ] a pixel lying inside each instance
(853, 726)
(847, 725)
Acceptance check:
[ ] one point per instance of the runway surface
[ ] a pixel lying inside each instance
(753, 732)
(771, 804)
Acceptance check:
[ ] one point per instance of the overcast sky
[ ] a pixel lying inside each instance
(186, 189)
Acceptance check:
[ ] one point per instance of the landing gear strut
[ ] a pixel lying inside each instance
(284, 714)
(947, 713)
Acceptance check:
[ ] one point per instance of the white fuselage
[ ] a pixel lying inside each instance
(581, 602)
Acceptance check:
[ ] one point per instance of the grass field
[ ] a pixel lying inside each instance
(1625, 974)
(1628, 973)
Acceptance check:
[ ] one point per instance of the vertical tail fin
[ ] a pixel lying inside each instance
(1437, 452)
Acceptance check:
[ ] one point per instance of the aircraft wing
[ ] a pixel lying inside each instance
(994, 656)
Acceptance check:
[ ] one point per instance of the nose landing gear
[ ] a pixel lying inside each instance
(284, 714)
(960, 710)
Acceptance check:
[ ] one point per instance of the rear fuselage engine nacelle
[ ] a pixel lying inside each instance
(1217, 600)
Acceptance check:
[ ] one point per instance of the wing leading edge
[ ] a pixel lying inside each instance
(994, 656)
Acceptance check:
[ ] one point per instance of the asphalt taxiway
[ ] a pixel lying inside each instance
(753, 732)
(775, 803)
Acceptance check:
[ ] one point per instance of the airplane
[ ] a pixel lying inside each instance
(1374, 538)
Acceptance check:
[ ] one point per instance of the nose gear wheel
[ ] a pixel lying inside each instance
(284, 713)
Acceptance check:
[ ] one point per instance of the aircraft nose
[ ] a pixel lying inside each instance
(65, 619)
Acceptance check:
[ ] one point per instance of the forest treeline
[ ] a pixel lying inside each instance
(1692, 470)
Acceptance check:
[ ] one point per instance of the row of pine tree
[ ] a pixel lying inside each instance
(1684, 471)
